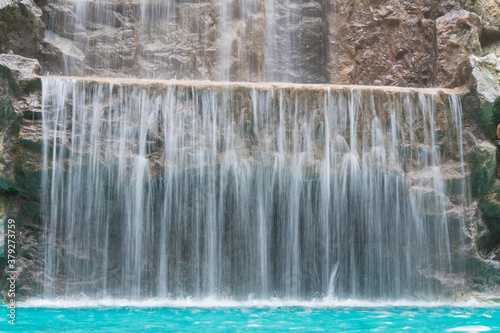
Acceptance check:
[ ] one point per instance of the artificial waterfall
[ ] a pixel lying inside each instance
(180, 188)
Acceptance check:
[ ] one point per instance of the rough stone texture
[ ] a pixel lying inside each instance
(22, 73)
(481, 118)
(20, 165)
(385, 42)
(490, 204)
(457, 39)
(240, 55)
(489, 234)
(22, 32)
(396, 42)
(21, 27)
(191, 40)
(489, 11)
(176, 41)
(483, 167)
(486, 74)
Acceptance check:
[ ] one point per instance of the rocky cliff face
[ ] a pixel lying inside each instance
(228, 40)
(20, 162)
(402, 43)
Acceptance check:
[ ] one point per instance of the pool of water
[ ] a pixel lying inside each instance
(200, 316)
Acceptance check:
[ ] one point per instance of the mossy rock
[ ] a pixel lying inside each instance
(7, 187)
(490, 117)
(30, 183)
(21, 73)
(490, 202)
(30, 211)
(484, 167)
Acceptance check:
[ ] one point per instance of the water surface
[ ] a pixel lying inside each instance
(209, 316)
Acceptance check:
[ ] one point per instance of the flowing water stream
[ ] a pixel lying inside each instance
(194, 189)
(249, 40)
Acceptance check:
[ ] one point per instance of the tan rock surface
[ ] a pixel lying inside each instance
(457, 39)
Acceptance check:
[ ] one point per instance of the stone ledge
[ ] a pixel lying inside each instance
(256, 85)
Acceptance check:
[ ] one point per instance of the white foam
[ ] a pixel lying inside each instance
(214, 302)
(469, 329)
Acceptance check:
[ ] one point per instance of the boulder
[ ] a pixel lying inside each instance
(21, 27)
(22, 73)
(489, 236)
(457, 38)
(483, 167)
(490, 202)
(486, 74)
(404, 43)
(20, 88)
(489, 11)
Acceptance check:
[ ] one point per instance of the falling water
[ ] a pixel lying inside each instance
(249, 40)
(175, 189)
(295, 41)
(143, 38)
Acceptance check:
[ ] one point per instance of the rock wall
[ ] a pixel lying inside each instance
(397, 42)
(482, 119)
(203, 40)
(21, 164)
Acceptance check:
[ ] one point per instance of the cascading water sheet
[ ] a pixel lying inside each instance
(249, 40)
(175, 189)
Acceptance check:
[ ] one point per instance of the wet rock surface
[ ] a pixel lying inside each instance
(364, 42)
(205, 40)
(21, 73)
(486, 74)
(21, 26)
(482, 117)
(20, 165)
(152, 39)
(483, 167)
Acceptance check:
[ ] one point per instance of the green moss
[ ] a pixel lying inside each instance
(32, 85)
(30, 211)
(484, 167)
(7, 187)
(490, 202)
(490, 117)
(7, 74)
(29, 183)
(495, 113)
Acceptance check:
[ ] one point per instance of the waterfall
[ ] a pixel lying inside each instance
(177, 189)
(248, 40)
(295, 41)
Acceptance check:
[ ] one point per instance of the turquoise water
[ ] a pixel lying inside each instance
(254, 318)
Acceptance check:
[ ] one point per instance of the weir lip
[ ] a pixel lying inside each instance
(256, 85)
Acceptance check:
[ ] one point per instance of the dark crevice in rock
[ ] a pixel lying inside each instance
(489, 37)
